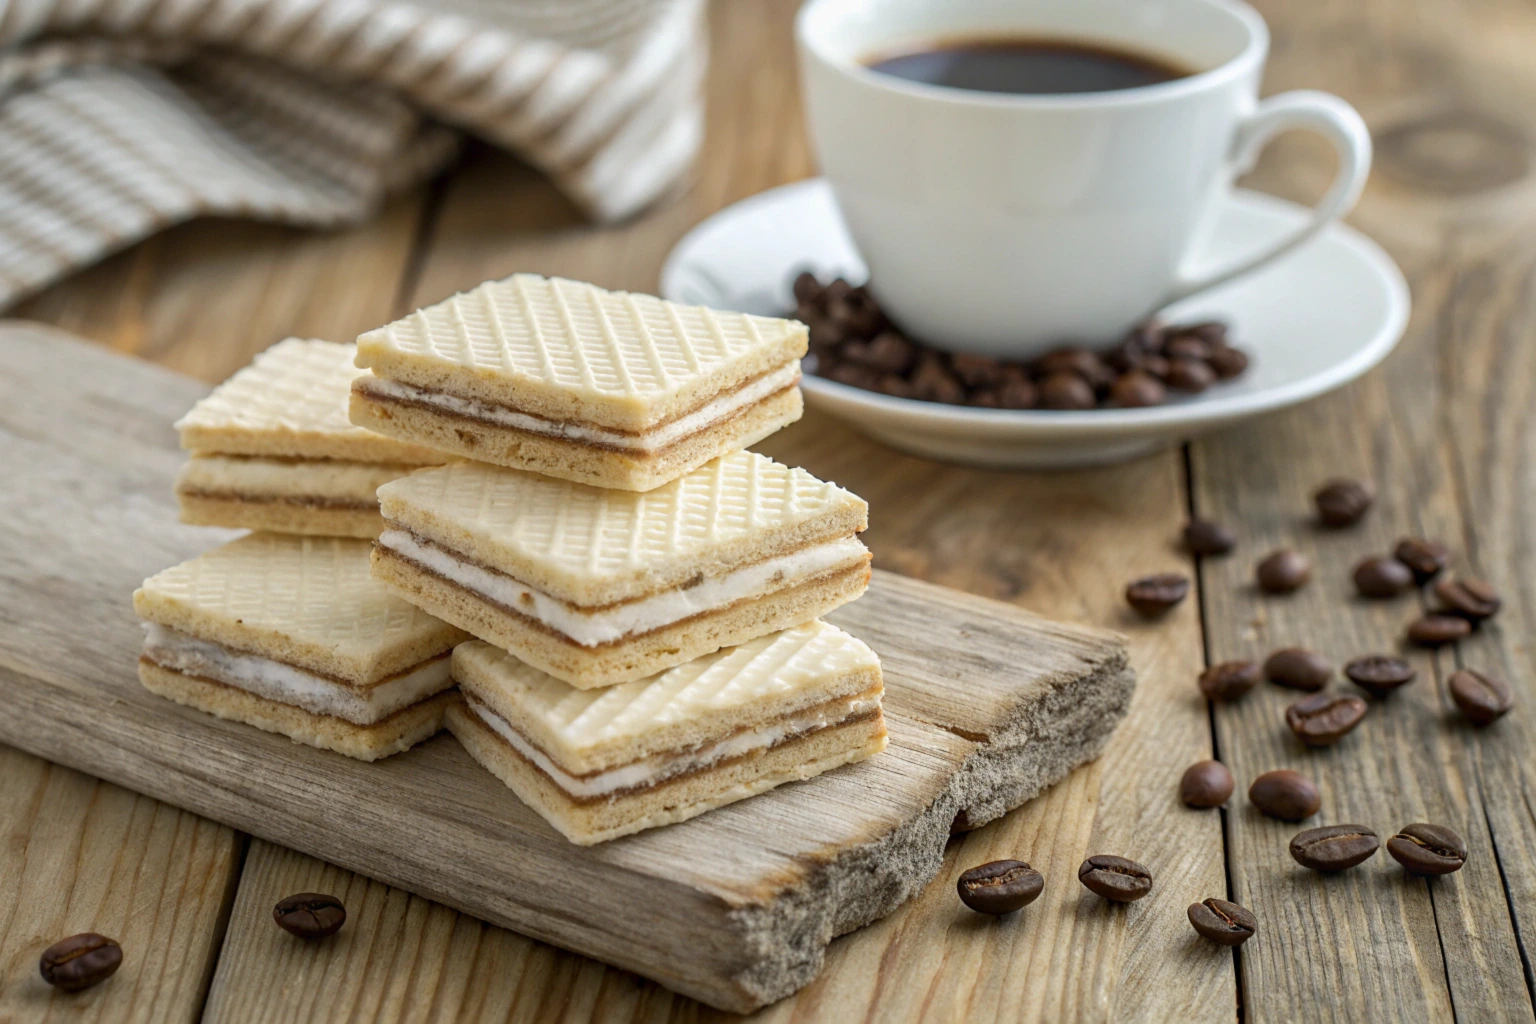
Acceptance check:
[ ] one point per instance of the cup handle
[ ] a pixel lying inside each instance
(1330, 117)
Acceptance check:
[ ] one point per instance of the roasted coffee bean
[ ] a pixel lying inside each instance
(80, 961)
(1424, 849)
(1438, 630)
(1343, 502)
(1425, 558)
(1227, 362)
(1155, 595)
(889, 352)
(1223, 922)
(1283, 571)
(1080, 361)
(835, 290)
(1204, 537)
(1213, 331)
(1157, 366)
(977, 371)
(1137, 389)
(1000, 887)
(1205, 784)
(1284, 794)
(310, 915)
(1115, 878)
(1379, 674)
(1018, 393)
(1482, 698)
(1473, 600)
(1322, 719)
(1066, 391)
(806, 287)
(1382, 576)
(852, 374)
(1334, 847)
(1298, 668)
(1229, 680)
(1192, 375)
(1187, 346)
(933, 382)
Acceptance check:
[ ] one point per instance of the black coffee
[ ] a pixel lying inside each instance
(1039, 67)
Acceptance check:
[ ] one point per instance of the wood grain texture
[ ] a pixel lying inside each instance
(1445, 431)
(986, 705)
(85, 855)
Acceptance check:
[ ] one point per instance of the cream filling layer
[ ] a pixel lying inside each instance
(614, 623)
(659, 768)
(701, 418)
(315, 479)
(289, 684)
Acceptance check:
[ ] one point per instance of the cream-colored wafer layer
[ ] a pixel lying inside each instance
(592, 547)
(304, 601)
(573, 353)
(292, 401)
(759, 685)
(260, 478)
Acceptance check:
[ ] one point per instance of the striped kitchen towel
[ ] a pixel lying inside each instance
(120, 117)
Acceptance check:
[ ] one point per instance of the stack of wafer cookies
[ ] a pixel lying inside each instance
(558, 471)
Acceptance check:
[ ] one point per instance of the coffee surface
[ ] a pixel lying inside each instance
(1025, 66)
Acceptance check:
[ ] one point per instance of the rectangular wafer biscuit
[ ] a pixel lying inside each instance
(560, 377)
(292, 634)
(600, 764)
(598, 587)
(273, 449)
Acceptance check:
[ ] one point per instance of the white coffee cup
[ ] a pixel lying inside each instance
(1006, 224)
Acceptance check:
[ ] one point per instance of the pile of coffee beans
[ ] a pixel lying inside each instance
(853, 342)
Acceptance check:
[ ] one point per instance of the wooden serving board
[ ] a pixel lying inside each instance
(986, 706)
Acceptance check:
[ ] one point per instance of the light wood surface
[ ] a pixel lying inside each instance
(1445, 427)
(985, 704)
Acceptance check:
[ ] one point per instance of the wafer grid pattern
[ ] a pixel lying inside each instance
(597, 532)
(779, 664)
(576, 335)
(312, 589)
(298, 384)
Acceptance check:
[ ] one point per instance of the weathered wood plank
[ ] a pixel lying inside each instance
(1446, 97)
(734, 907)
(85, 855)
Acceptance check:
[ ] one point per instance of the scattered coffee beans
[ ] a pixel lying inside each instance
(1482, 698)
(1283, 571)
(1473, 600)
(1298, 668)
(1000, 887)
(1115, 878)
(310, 915)
(1204, 537)
(1425, 558)
(1286, 795)
(80, 961)
(1343, 502)
(1205, 784)
(1424, 849)
(1379, 674)
(1322, 719)
(1229, 680)
(1155, 595)
(1334, 847)
(853, 342)
(1382, 576)
(1438, 630)
(1223, 922)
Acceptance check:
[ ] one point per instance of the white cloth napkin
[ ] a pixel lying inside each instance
(121, 117)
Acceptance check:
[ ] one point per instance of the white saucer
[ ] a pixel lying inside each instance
(1311, 322)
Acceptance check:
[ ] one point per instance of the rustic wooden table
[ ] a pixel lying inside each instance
(1445, 428)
